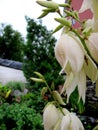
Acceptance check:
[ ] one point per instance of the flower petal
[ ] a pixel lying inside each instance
(50, 116)
(75, 122)
(66, 50)
(93, 5)
(65, 124)
(90, 69)
(75, 80)
(97, 88)
(71, 122)
(92, 44)
(85, 5)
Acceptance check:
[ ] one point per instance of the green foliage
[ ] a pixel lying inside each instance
(11, 43)
(20, 112)
(4, 92)
(19, 117)
(16, 85)
(39, 53)
(76, 104)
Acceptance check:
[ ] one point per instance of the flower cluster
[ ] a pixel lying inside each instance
(78, 56)
(77, 53)
(76, 63)
(56, 119)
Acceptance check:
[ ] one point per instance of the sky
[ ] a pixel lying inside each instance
(13, 12)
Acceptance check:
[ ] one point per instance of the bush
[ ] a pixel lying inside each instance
(20, 112)
(19, 117)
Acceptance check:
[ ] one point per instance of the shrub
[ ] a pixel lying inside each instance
(19, 117)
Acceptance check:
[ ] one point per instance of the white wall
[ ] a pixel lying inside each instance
(9, 74)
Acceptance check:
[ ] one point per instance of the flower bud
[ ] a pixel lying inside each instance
(50, 117)
(58, 97)
(48, 4)
(63, 21)
(37, 80)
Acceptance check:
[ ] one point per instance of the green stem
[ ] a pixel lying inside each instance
(60, 108)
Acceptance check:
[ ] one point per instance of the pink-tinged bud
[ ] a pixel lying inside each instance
(69, 51)
(92, 45)
(50, 117)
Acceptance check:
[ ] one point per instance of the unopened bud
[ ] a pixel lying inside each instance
(63, 21)
(58, 97)
(48, 4)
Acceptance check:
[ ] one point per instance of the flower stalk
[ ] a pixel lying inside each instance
(78, 62)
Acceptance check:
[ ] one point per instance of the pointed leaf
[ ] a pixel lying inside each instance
(43, 15)
(58, 28)
(7, 94)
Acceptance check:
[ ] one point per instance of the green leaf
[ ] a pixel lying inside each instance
(43, 15)
(58, 28)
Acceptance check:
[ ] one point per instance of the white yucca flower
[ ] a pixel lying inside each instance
(93, 6)
(71, 122)
(50, 116)
(70, 56)
(92, 44)
(68, 51)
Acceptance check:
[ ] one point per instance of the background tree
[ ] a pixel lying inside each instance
(39, 52)
(11, 43)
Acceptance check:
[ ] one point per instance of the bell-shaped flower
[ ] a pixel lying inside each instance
(92, 44)
(50, 116)
(69, 53)
(71, 122)
(70, 56)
